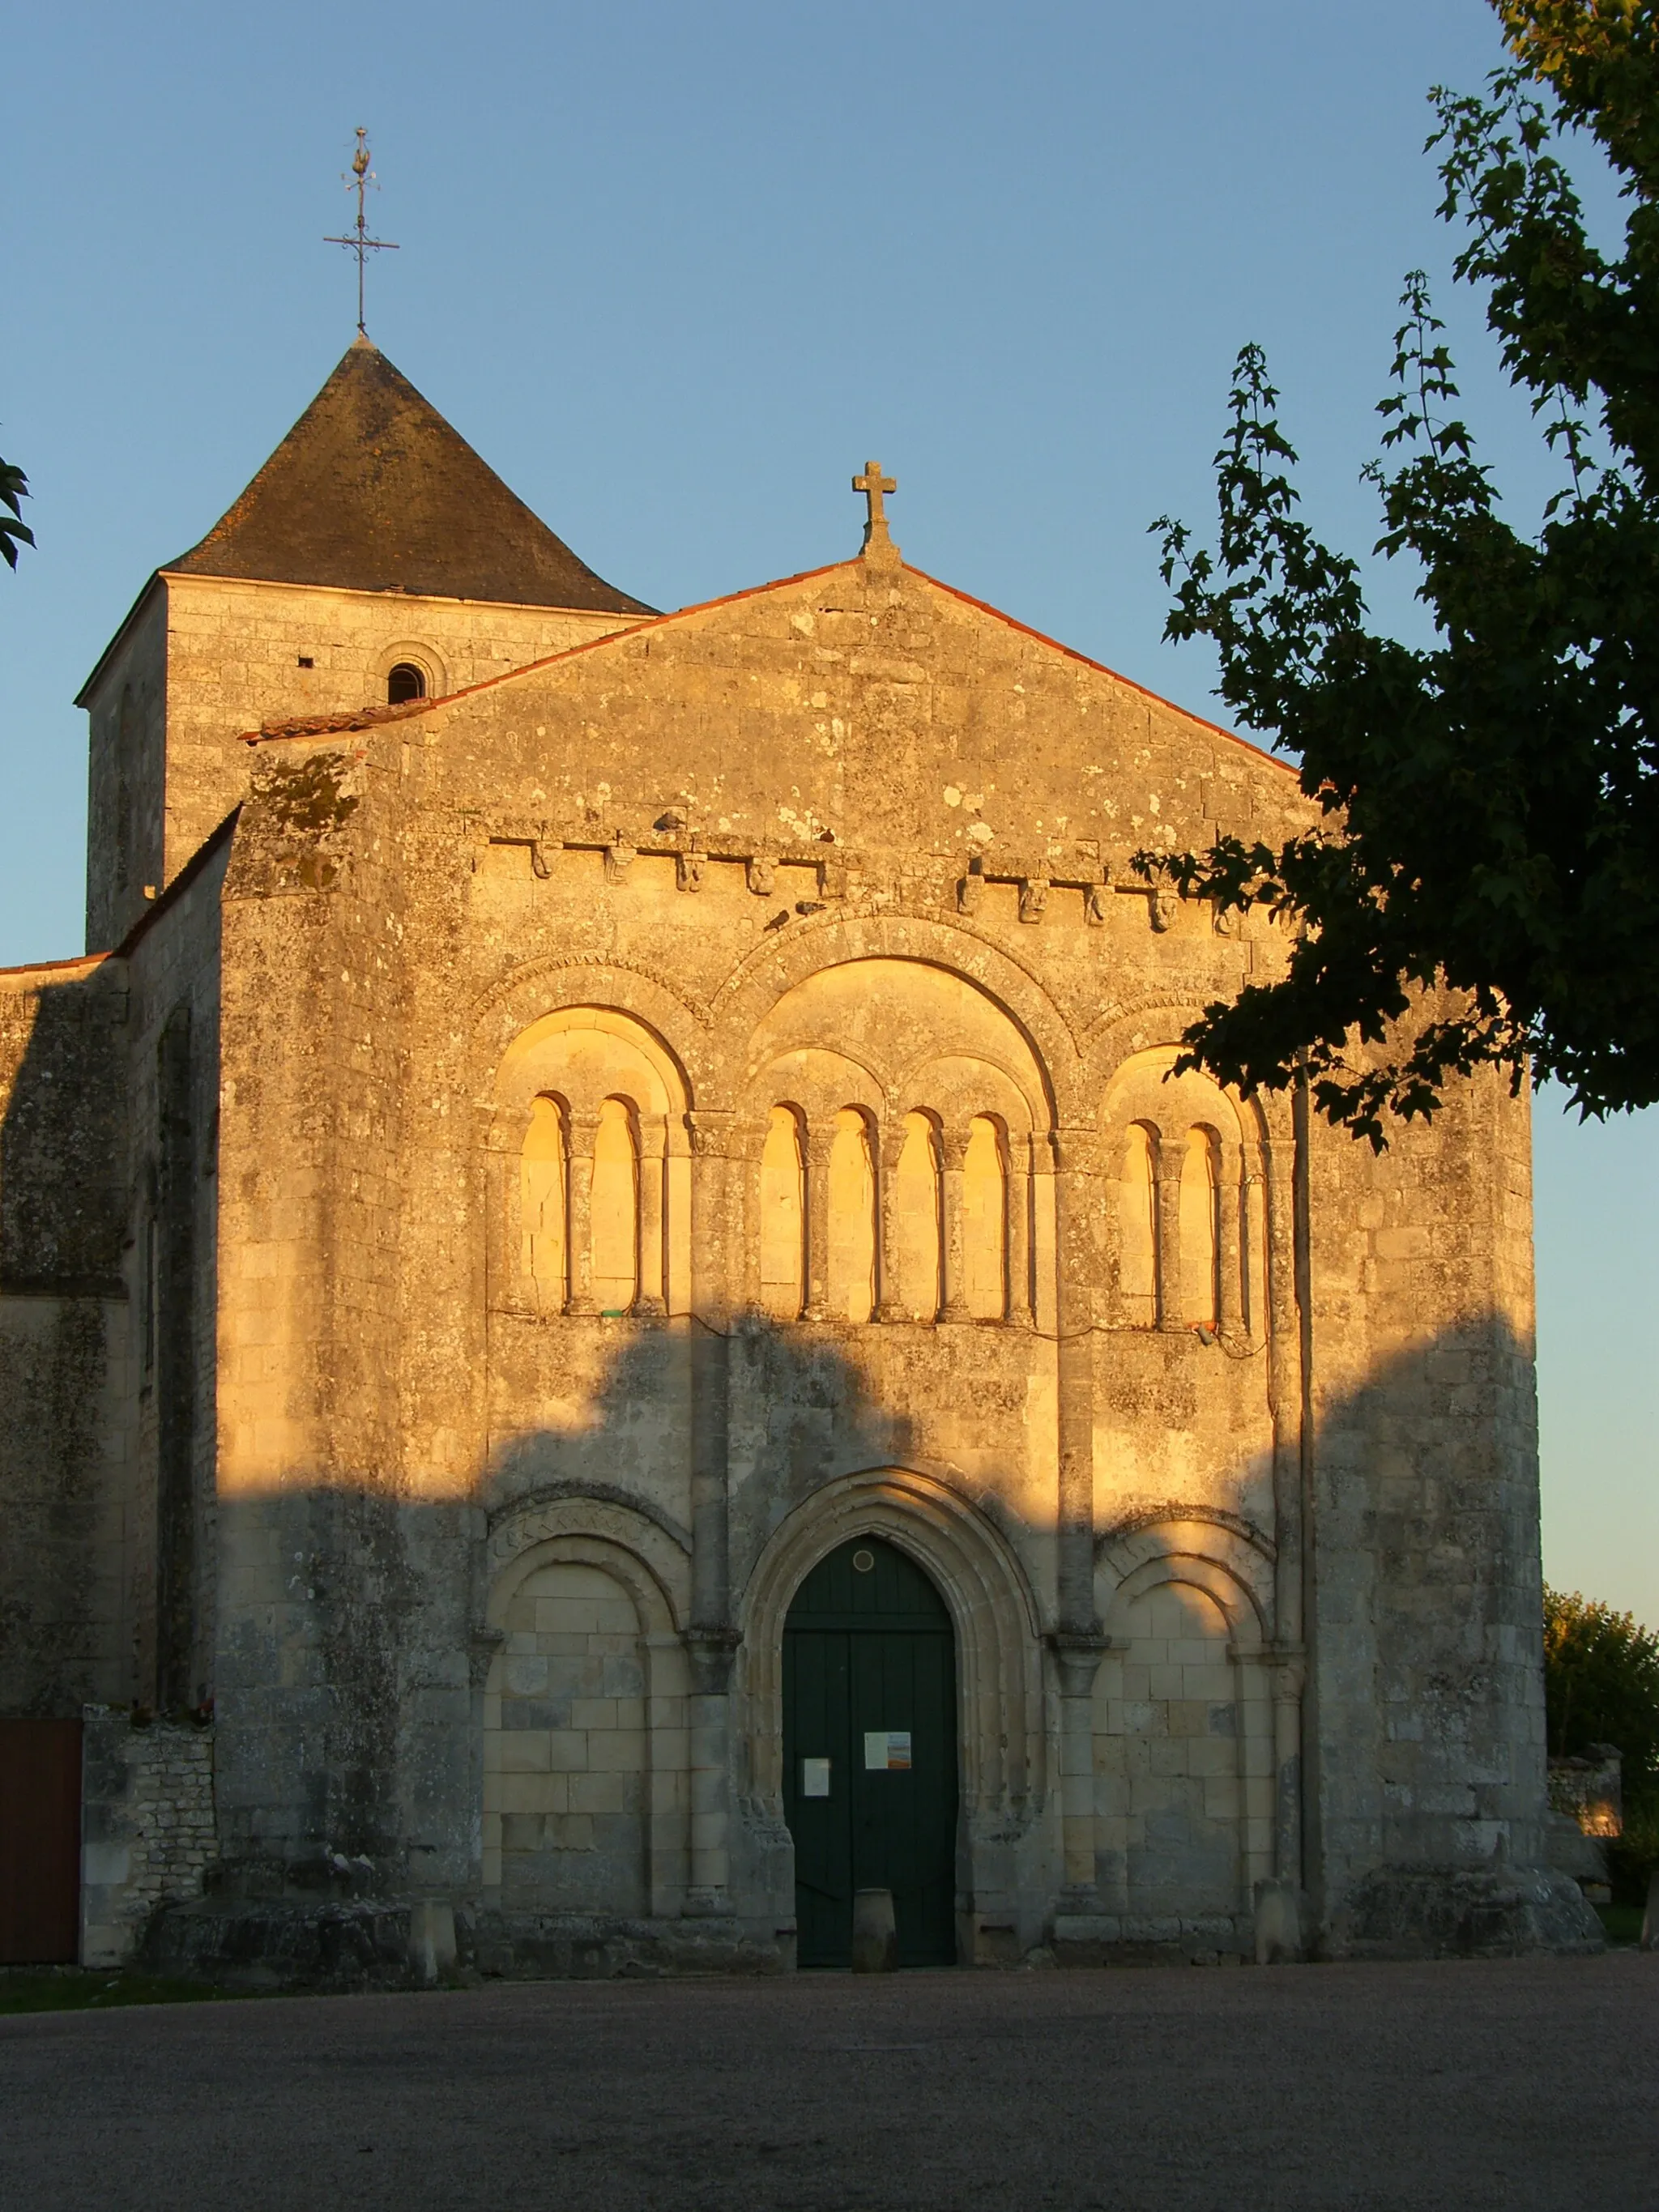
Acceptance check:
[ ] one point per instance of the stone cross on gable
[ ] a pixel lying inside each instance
(878, 543)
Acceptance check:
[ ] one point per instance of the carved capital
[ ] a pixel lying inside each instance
(710, 1134)
(1078, 1654)
(710, 1649)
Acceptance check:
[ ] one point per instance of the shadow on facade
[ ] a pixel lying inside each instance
(356, 1641)
(62, 1217)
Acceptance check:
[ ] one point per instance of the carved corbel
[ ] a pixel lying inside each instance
(761, 872)
(619, 857)
(1033, 897)
(971, 889)
(688, 867)
(482, 1643)
(1164, 904)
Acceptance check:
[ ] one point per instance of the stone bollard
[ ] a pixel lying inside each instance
(431, 1940)
(1277, 1925)
(1650, 1917)
(875, 1933)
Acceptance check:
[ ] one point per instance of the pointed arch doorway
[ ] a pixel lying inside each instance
(870, 1752)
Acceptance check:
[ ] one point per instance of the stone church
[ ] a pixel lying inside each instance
(615, 1328)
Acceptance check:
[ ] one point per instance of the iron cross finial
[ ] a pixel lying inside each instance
(360, 242)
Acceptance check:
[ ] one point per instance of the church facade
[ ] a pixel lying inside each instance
(616, 1328)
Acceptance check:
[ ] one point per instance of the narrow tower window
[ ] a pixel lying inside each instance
(405, 682)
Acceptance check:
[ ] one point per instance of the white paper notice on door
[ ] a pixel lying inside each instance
(815, 1777)
(887, 1751)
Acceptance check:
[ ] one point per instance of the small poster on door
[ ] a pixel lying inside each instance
(887, 1751)
(815, 1777)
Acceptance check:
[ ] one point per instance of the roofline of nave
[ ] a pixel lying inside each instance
(759, 591)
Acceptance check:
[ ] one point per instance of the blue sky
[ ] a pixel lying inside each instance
(675, 272)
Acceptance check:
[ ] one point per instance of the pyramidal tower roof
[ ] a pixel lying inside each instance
(372, 491)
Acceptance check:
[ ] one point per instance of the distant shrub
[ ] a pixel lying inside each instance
(1602, 1686)
(1633, 1857)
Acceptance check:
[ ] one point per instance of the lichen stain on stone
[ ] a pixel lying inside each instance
(307, 797)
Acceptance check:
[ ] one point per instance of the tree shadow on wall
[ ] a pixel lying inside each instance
(355, 1642)
(795, 1407)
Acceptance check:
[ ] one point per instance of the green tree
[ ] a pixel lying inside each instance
(1483, 883)
(1602, 1686)
(14, 530)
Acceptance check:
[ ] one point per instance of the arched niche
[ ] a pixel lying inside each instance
(1184, 1749)
(1183, 1178)
(891, 1016)
(782, 1222)
(913, 1047)
(586, 1129)
(584, 1717)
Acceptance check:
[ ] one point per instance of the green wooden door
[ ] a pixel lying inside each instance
(870, 1753)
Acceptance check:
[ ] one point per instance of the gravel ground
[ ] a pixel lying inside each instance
(1507, 2085)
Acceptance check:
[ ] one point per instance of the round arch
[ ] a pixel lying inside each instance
(770, 972)
(993, 1611)
(1214, 1556)
(540, 989)
(659, 1551)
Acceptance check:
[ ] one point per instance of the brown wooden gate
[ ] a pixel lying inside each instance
(40, 1841)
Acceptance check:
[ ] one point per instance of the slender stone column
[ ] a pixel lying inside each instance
(654, 1250)
(1230, 1200)
(710, 1639)
(819, 1141)
(1078, 1642)
(1019, 1230)
(1170, 1159)
(1252, 1218)
(1284, 1393)
(743, 1198)
(1077, 1662)
(889, 1305)
(953, 1301)
(584, 1130)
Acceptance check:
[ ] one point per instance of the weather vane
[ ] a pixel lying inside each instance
(360, 243)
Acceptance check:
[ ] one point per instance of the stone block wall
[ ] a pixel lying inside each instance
(65, 1450)
(147, 1825)
(205, 660)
